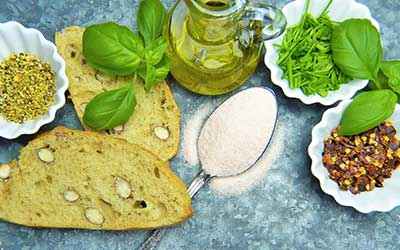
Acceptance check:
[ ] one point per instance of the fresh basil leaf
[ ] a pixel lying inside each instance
(155, 51)
(391, 69)
(380, 83)
(154, 74)
(112, 48)
(394, 84)
(150, 79)
(142, 71)
(357, 48)
(110, 108)
(162, 69)
(150, 19)
(157, 74)
(366, 111)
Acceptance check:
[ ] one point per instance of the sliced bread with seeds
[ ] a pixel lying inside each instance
(156, 110)
(80, 179)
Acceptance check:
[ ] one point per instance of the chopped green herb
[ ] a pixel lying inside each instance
(27, 87)
(305, 56)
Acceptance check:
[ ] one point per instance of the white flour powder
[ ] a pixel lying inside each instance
(233, 139)
(192, 132)
(242, 183)
(236, 134)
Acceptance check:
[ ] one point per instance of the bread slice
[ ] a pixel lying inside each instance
(156, 112)
(75, 179)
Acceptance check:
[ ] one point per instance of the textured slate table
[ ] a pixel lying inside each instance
(287, 211)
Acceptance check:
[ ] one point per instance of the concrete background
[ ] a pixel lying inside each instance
(287, 211)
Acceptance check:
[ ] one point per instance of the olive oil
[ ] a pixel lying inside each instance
(211, 51)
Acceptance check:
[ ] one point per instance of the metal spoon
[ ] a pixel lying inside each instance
(207, 173)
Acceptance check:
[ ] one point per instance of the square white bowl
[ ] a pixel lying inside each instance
(380, 199)
(340, 10)
(15, 38)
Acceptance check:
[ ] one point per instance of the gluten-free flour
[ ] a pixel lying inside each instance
(233, 139)
(237, 185)
(191, 133)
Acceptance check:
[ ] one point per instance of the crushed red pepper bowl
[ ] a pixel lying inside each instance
(381, 199)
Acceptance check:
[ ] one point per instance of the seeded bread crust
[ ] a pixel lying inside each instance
(156, 108)
(91, 165)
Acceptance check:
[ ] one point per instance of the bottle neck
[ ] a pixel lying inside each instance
(214, 23)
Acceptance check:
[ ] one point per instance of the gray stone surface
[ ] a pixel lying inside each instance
(287, 211)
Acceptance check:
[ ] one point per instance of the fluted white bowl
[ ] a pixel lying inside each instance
(380, 199)
(15, 38)
(340, 10)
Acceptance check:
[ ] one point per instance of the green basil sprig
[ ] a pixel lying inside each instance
(366, 111)
(357, 49)
(112, 48)
(116, 50)
(150, 19)
(155, 51)
(110, 108)
(391, 70)
(153, 74)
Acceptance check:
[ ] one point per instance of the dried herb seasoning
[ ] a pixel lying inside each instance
(362, 162)
(27, 87)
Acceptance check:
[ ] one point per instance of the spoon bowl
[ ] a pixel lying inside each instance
(238, 132)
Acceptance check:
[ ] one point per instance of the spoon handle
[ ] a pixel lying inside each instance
(156, 236)
(197, 183)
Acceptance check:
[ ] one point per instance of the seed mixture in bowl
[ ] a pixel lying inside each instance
(362, 162)
(27, 87)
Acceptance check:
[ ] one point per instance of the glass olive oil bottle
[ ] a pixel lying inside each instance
(215, 45)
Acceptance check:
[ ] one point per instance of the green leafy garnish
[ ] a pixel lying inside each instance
(305, 56)
(151, 16)
(391, 69)
(155, 51)
(366, 111)
(116, 50)
(112, 48)
(110, 108)
(153, 74)
(357, 49)
(156, 61)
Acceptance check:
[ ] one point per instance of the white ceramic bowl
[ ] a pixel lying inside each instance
(15, 38)
(340, 10)
(380, 199)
